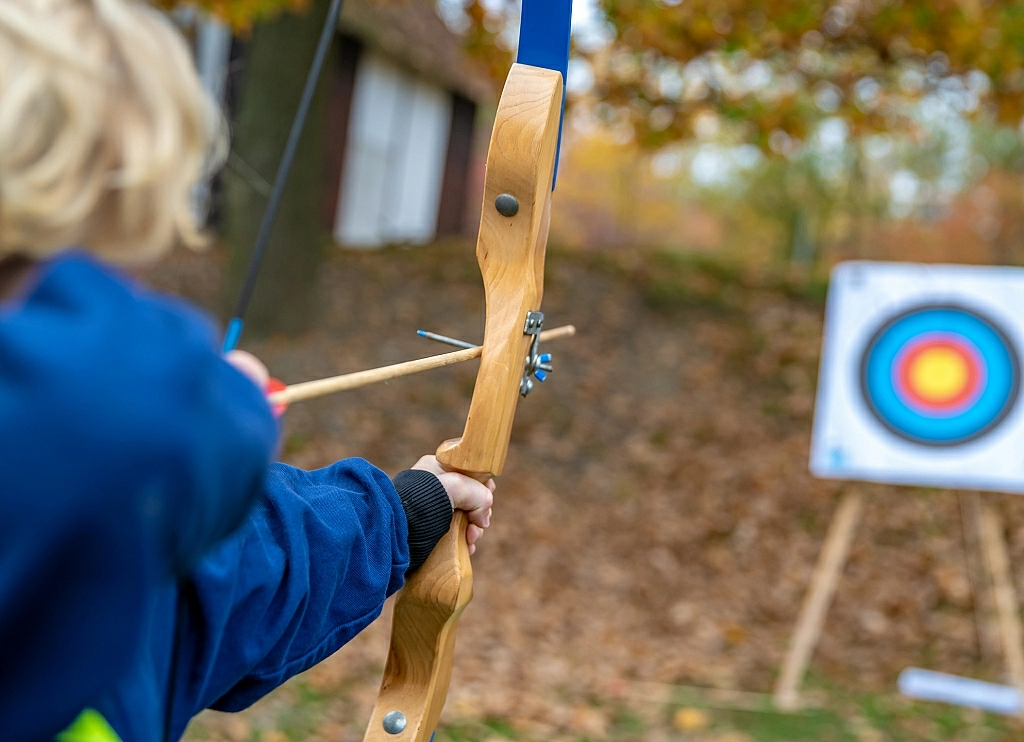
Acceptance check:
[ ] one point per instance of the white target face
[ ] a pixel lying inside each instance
(920, 376)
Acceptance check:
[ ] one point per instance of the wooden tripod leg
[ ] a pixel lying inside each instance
(997, 560)
(819, 597)
(986, 624)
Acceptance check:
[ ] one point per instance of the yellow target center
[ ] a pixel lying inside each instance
(938, 374)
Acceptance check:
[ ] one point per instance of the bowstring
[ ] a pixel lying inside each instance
(237, 322)
(235, 326)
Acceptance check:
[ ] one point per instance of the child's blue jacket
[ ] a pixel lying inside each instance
(153, 562)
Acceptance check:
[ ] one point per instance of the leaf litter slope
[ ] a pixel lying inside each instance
(656, 520)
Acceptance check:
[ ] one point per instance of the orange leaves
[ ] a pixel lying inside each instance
(864, 61)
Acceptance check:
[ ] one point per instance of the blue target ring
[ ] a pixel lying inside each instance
(940, 375)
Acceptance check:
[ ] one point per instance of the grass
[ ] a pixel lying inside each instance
(841, 717)
(866, 719)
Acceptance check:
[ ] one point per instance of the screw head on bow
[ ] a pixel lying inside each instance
(506, 204)
(394, 722)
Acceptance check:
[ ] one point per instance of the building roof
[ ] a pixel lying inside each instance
(411, 32)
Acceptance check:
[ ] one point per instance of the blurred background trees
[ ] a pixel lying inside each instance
(825, 118)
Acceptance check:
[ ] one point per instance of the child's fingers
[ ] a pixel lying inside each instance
(249, 365)
(469, 495)
(431, 464)
(465, 492)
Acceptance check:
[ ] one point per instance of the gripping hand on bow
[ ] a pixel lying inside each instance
(466, 494)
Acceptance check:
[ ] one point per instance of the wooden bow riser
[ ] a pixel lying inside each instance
(510, 250)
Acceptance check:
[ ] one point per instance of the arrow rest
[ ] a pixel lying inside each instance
(538, 365)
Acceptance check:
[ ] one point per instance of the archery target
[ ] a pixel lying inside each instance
(940, 376)
(920, 376)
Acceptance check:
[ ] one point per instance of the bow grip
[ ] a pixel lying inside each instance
(419, 664)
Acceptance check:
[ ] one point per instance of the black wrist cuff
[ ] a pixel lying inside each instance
(428, 511)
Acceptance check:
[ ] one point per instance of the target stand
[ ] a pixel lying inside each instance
(919, 385)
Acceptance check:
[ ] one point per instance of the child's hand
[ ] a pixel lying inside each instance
(253, 368)
(249, 365)
(466, 494)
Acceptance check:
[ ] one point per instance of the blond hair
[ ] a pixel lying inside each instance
(104, 129)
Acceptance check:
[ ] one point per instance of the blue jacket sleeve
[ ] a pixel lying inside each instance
(128, 448)
(311, 568)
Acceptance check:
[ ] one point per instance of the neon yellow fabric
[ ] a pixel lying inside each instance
(90, 726)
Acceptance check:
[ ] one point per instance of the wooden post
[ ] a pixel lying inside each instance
(981, 586)
(997, 561)
(819, 596)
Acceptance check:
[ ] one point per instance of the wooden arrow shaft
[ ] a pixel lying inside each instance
(322, 387)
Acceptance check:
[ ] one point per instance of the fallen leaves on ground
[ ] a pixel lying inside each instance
(656, 520)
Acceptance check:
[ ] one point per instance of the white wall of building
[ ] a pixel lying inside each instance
(394, 158)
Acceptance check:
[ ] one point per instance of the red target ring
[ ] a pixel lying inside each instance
(939, 373)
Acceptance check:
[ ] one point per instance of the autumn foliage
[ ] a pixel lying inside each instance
(779, 66)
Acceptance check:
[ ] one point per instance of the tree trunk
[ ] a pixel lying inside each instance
(277, 61)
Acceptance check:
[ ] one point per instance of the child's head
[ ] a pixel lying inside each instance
(104, 129)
